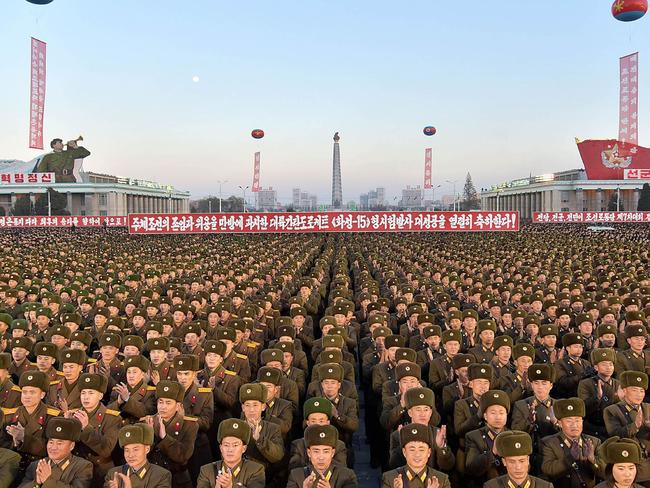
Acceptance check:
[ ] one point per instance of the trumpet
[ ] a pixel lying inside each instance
(80, 138)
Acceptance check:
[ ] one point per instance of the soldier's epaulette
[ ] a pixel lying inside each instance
(16, 388)
(252, 344)
(9, 411)
(191, 419)
(55, 412)
(59, 373)
(205, 390)
(241, 356)
(151, 388)
(55, 382)
(91, 360)
(232, 373)
(33, 364)
(114, 413)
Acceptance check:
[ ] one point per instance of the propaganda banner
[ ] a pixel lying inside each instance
(307, 222)
(256, 173)
(628, 120)
(607, 159)
(428, 168)
(37, 94)
(636, 174)
(55, 221)
(590, 217)
(22, 178)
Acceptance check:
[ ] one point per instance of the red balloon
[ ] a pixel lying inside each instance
(257, 134)
(429, 130)
(629, 10)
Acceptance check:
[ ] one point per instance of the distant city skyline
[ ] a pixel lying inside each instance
(171, 93)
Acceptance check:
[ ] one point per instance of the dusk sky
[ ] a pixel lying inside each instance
(508, 84)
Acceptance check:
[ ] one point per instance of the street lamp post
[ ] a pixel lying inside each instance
(498, 193)
(243, 189)
(433, 197)
(454, 188)
(221, 183)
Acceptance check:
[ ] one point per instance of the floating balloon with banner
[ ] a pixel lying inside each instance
(429, 130)
(257, 133)
(629, 10)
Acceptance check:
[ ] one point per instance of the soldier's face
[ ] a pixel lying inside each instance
(58, 449)
(108, 352)
(253, 409)
(30, 396)
(541, 388)
(420, 414)
(71, 371)
(166, 408)
(134, 375)
(330, 387)
(572, 427)
(18, 353)
(605, 368)
(185, 378)
(416, 454)
(452, 348)
(90, 399)
(503, 354)
(634, 395)
(317, 419)
(232, 449)
(636, 343)
(496, 417)
(549, 340)
(321, 456)
(517, 467)
(43, 363)
(135, 455)
(624, 473)
(157, 356)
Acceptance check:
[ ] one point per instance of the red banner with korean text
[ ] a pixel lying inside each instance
(628, 120)
(22, 178)
(322, 222)
(607, 159)
(590, 217)
(17, 222)
(428, 168)
(636, 174)
(37, 94)
(256, 173)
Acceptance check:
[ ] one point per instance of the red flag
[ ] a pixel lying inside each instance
(37, 95)
(607, 159)
(427, 168)
(628, 115)
(256, 173)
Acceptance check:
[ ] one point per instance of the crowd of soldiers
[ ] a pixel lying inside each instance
(511, 360)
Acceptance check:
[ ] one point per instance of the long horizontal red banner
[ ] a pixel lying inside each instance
(15, 222)
(323, 222)
(590, 217)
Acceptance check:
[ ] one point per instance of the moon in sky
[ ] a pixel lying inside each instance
(195, 79)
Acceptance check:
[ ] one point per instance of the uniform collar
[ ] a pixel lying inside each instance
(140, 473)
(525, 484)
(411, 474)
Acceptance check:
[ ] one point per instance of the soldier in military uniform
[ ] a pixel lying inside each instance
(278, 410)
(136, 441)
(174, 433)
(99, 425)
(60, 468)
(134, 398)
(233, 470)
(416, 443)
(9, 464)
(233, 360)
(635, 358)
(484, 351)
(516, 383)
(623, 456)
(159, 368)
(198, 402)
(631, 418)
(109, 365)
(61, 162)
(568, 458)
(46, 354)
(64, 394)
(571, 368)
(24, 429)
(515, 448)
(9, 392)
(321, 441)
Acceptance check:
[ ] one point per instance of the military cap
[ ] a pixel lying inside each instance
(470, 313)
(295, 311)
(45, 349)
(109, 339)
(415, 433)
(115, 322)
(252, 391)
(226, 334)
(269, 375)
(330, 371)
(286, 331)
(76, 356)
(584, 317)
(334, 356)
(5, 360)
(405, 354)
(501, 341)
(635, 331)
(24, 342)
(544, 372)
(181, 307)
(327, 320)
(140, 312)
(170, 389)
(237, 324)
(431, 331)
(545, 330)
(419, 396)
(35, 379)
(487, 324)
(634, 316)
(317, 405)
(166, 320)
(462, 361)
(66, 429)
(571, 339)
(568, 407)
(407, 369)
(44, 311)
(634, 378)
(321, 435)
(454, 314)
(158, 344)
(394, 341)
(234, 428)
(494, 397)
(426, 318)
(291, 349)
(137, 361)
(103, 311)
(269, 355)
(512, 443)
(216, 347)
(617, 450)
(5, 318)
(605, 329)
(333, 341)
(97, 382)
(479, 371)
(136, 434)
(20, 324)
(133, 340)
(186, 362)
(154, 325)
(341, 331)
(603, 354)
(607, 311)
(74, 318)
(82, 336)
(523, 349)
(60, 330)
(451, 335)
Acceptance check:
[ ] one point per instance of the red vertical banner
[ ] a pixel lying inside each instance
(256, 173)
(628, 117)
(37, 94)
(427, 168)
